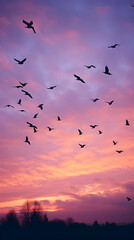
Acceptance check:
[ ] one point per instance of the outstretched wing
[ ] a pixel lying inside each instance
(33, 29)
(16, 60)
(25, 22)
(23, 60)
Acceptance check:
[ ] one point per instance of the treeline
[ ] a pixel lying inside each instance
(32, 224)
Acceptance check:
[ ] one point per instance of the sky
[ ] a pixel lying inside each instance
(89, 183)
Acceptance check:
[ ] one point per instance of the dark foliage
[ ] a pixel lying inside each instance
(38, 227)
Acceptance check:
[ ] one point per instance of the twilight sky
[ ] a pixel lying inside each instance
(89, 183)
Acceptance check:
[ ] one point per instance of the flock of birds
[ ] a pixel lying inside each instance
(40, 106)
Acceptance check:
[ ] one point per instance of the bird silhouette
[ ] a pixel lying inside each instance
(31, 125)
(19, 102)
(127, 123)
(114, 142)
(59, 119)
(8, 105)
(119, 151)
(23, 84)
(79, 79)
(129, 199)
(35, 129)
(27, 141)
(82, 145)
(29, 25)
(100, 132)
(20, 62)
(110, 103)
(93, 126)
(35, 116)
(107, 70)
(18, 86)
(95, 100)
(22, 110)
(114, 46)
(40, 106)
(91, 66)
(52, 87)
(50, 129)
(132, 5)
(27, 93)
(80, 132)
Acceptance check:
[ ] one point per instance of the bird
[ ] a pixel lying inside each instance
(35, 129)
(107, 70)
(31, 125)
(29, 25)
(8, 105)
(22, 110)
(80, 132)
(27, 93)
(91, 66)
(79, 79)
(129, 199)
(100, 132)
(127, 123)
(59, 119)
(93, 126)
(82, 145)
(27, 141)
(95, 100)
(114, 46)
(40, 106)
(110, 103)
(50, 129)
(18, 86)
(132, 5)
(119, 151)
(52, 87)
(23, 84)
(35, 115)
(20, 62)
(19, 102)
(114, 142)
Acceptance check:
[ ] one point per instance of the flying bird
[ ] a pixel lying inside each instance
(91, 66)
(129, 199)
(50, 129)
(114, 46)
(52, 87)
(20, 62)
(27, 141)
(8, 105)
(23, 84)
(95, 100)
(18, 86)
(114, 142)
(59, 119)
(27, 93)
(132, 5)
(29, 25)
(19, 102)
(35, 116)
(100, 132)
(31, 125)
(119, 151)
(107, 70)
(110, 103)
(40, 106)
(80, 132)
(82, 145)
(127, 123)
(79, 79)
(93, 126)
(22, 110)
(35, 129)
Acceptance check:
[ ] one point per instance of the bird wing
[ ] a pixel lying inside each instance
(23, 60)
(26, 139)
(29, 95)
(16, 60)
(79, 131)
(25, 22)
(106, 69)
(33, 29)
(81, 80)
(77, 76)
